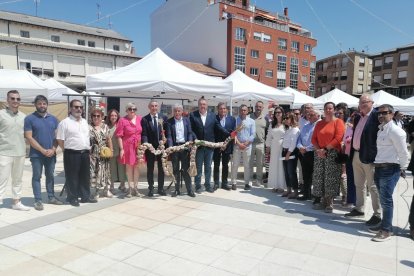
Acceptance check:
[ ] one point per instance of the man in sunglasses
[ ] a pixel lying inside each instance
(390, 162)
(12, 149)
(73, 138)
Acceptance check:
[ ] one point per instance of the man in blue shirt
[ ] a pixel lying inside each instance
(246, 130)
(40, 131)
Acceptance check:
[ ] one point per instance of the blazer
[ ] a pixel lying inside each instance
(368, 149)
(188, 132)
(229, 125)
(149, 135)
(206, 132)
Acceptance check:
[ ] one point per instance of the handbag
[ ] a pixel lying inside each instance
(105, 152)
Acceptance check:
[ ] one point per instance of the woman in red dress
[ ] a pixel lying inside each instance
(129, 132)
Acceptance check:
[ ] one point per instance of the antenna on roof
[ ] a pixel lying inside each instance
(109, 23)
(37, 2)
(98, 13)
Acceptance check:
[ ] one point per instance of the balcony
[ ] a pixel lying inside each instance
(387, 66)
(376, 68)
(401, 81)
(403, 63)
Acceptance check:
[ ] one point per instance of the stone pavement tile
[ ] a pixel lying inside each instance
(358, 271)
(89, 264)
(219, 242)
(171, 246)
(207, 226)
(376, 262)
(11, 257)
(141, 223)
(200, 214)
(250, 249)
(94, 243)
(41, 247)
(120, 232)
(297, 245)
(119, 250)
(264, 238)
(274, 229)
(30, 267)
(137, 212)
(179, 210)
(21, 240)
(405, 268)
(404, 242)
(286, 258)
(385, 249)
(123, 269)
(93, 225)
(305, 234)
(184, 221)
(191, 235)
(271, 269)
(234, 232)
(148, 259)
(112, 216)
(332, 252)
(202, 254)
(324, 266)
(178, 266)
(74, 235)
(59, 272)
(343, 240)
(166, 229)
(144, 238)
(190, 204)
(235, 263)
(54, 229)
(208, 271)
(63, 255)
(161, 216)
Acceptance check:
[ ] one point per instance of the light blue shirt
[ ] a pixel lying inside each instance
(248, 132)
(179, 130)
(305, 137)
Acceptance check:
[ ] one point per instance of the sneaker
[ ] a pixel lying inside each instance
(374, 229)
(354, 214)
(199, 190)
(247, 187)
(382, 236)
(20, 207)
(234, 187)
(38, 205)
(373, 221)
(55, 201)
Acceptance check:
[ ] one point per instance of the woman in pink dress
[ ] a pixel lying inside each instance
(129, 132)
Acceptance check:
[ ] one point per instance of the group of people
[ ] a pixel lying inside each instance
(344, 153)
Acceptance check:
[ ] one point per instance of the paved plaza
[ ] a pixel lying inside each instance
(226, 233)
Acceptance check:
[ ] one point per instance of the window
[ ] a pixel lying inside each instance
(55, 38)
(267, 38)
(282, 44)
(307, 47)
(37, 63)
(361, 61)
(360, 75)
(323, 90)
(294, 72)
(344, 62)
(91, 44)
(404, 56)
(25, 34)
(116, 47)
(81, 42)
(387, 76)
(281, 63)
(269, 56)
(377, 79)
(305, 63)
(254, 71)
(71, 66)
(240, 59)
(304, 78)
(360, 88)
(281, 83)
(334, 63)
(254, 53)
(388, 60)
(240, 34)
(98, 66)
(344, 73)
(257, 36)
(295, 46)
(325, 66)
(378, 62)
(402, 74)
(343, 87)
(269, 73)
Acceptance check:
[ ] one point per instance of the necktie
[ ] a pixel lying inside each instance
(154, 121)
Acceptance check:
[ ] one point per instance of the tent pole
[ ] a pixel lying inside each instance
(231, 107)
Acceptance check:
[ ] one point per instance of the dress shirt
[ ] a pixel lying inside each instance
(247, 133)
(203, 118)
(358, 131)
(260, 126)
(391, 144)
(179, 130)
(305, 137)
(74, 133)
(302, 122)
(11, 133)
(223, 121)
(290, 138)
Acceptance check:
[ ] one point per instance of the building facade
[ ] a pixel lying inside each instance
(231, 35)
(56, 49)
(393, 71)
(350, 72)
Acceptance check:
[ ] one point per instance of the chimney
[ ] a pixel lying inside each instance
(210, 62)
(286, 12)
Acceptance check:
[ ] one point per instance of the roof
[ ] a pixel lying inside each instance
(409, 46)
(352, 52)
(62, 25)
(203, 69)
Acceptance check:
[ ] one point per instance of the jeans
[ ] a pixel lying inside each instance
(204, 156)
(386, 178)
(37, 165)
(291, 177)
(411, 216)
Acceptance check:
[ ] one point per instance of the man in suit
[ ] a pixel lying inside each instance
(151, 133)
(204, 124)
(180, 133)
(229, 123)
(363, 152)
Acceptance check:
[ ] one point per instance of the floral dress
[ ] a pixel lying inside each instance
(100, 171)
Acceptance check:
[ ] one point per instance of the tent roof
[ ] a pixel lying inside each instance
(300, 99)
(56, 91)
(338, 96)
(23, 81)
(157, 75)
(381, 97)
(411, 99)
(247, 89)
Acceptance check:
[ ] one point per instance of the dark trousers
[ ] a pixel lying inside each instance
(151, 159)
(291, 177)
(350, 183)
(411, 216)
(182, 158)
(306, 161)
(76, 165)
(224, 157)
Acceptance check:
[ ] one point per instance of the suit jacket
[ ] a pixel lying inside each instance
(188, 132)
(149, 135)
(229, 125)
(206, 132)
(410, 129)
(368, 149)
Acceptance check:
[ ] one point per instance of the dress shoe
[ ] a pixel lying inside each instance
(162, 193)
(247, 187)
(150, 193)
(233, 187)
(175, 193)
(225, 187)
(373, 221)
(216, 186)
(209, 189)
(199, 190)
(317, 200)
(74, 203)
(89, 200)
(354, 214)
(302, 198)
(191, 194)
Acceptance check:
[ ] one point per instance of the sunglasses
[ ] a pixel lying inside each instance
(384, 113)
(297, 114)
(77, 107)
(96, 116)
(132, 109)
(15, 99)
(278, 112)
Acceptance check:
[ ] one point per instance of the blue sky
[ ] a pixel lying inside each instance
(373, 25)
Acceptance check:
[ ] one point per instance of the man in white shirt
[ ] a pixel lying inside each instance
(390, 162)
(73, 137)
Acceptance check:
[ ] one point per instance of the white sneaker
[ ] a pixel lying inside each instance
(20, 206)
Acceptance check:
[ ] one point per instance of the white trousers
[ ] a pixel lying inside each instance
(11, 167)
(237, 154)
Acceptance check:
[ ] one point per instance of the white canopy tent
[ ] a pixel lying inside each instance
(338, 96)
(157, 75)
(23, 81)
(411, 99)
(246, 89)
(381, 97)
(301, 99)
(56, 91)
